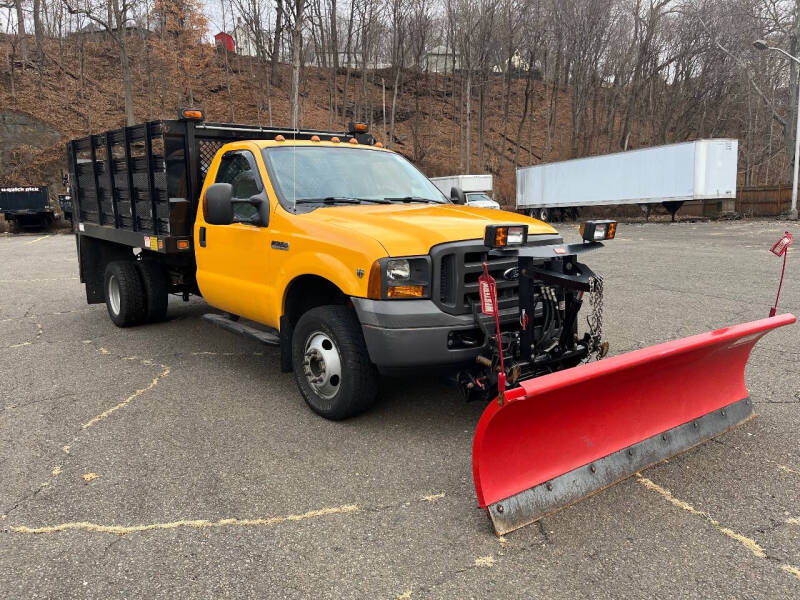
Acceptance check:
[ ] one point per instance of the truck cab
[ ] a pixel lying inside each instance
(326, 235)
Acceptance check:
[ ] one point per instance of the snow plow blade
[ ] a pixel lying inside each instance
(563, 436)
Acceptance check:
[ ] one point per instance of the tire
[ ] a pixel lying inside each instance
(156, 290)
(124, 293)
(539, 213)
(328, 346)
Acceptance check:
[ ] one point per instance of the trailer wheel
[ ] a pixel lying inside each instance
(331, 363)
(154, 282)
(540, 213)
(124, 294)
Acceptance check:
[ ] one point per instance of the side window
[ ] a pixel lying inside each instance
(239, 169)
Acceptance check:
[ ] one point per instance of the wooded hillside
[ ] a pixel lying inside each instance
(459, 86)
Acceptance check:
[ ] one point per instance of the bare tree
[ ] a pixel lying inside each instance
(117, 15)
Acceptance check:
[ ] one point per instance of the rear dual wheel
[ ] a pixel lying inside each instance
(136, 292)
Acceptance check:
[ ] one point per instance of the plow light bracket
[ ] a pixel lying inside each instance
(594, 231)
(503, 236)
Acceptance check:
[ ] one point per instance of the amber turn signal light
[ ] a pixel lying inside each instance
(405, 291)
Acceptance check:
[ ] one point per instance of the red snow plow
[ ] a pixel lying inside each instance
(556, 434)
(560, 437)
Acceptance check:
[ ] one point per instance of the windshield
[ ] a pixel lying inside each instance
(308, 174)
(478, 196)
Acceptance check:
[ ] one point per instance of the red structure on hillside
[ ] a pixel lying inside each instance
(226, 41)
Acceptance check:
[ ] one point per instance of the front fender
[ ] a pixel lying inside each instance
(347, 270)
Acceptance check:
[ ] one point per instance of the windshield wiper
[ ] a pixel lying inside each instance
(411, 199)
(328, 200)
(340, 200)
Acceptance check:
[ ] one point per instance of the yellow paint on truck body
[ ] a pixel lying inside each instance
(240, 271)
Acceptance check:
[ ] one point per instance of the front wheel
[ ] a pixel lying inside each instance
(331, 363)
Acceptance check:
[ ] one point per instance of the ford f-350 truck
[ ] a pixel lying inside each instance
(327, 244)
(345, 256)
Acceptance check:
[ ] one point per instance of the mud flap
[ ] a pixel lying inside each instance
(564, 436)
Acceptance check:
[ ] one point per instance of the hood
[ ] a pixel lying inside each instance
(410, 229)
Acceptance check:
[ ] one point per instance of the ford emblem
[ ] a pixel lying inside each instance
(511, 274)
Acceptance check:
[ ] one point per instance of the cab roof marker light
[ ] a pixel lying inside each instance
(190, 114)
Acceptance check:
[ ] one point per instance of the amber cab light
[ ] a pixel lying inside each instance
(191, 114)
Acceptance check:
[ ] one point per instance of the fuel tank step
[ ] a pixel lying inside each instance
(269, 338)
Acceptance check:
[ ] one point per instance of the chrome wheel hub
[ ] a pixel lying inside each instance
(322, 365)
(113, 294)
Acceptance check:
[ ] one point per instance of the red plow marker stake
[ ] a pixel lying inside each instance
(563, 436)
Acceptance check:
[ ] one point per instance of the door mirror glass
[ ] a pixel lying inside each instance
(218, 204)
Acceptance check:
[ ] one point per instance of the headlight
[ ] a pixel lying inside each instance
(398, 270)
(502, 236)
(400, 278)
(594, 231)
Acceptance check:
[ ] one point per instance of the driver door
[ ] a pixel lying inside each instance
(233, 265)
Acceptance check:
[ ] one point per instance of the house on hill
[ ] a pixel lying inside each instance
(96, 31)
(441, 59)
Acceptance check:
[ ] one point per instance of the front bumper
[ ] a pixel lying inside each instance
(417, 333)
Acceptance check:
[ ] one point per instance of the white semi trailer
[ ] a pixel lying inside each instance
(477, 188)
(669, 175)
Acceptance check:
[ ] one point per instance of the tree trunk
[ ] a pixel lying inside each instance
(38, 30)
(297, 47)
(125, 67)
(276, 43)
(334, 44)
(394, 105)
(468, 119)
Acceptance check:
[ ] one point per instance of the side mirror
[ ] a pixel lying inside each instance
(457, 196)
(218, 204)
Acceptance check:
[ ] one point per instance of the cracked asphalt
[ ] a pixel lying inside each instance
(176, 460)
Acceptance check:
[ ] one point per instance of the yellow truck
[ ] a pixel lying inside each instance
(348, 258)
(325, 243)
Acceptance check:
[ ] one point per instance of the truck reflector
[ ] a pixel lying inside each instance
(563, 436)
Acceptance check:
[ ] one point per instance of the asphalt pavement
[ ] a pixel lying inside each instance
(176, 460)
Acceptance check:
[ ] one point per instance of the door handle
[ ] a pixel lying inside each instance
(202, 237)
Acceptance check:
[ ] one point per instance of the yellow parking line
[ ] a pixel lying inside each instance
(199, 523)
(39, 239)
(745, 541)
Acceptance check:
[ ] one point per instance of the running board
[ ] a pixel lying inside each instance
(265, 337)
